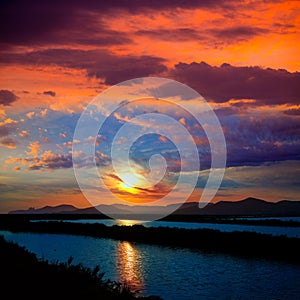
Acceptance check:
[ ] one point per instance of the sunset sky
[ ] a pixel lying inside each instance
(57, 56)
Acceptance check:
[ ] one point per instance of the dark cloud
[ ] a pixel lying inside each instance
(99, 63)
(117, 69)
(255, 140)
(212, 36)
(40, 22)
(261, 139)
(52, 162)
(4, 130)
(177, 34)
(50, 93)
(237, 32)
(7, 97)
(8, 142)
(7, 128)
(292, 112)
(284, 28)
(226, 111)
(81, 22)
(220, 84)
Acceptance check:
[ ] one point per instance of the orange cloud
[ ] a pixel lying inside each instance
(34, 149)
(182, 121)
(63, 135)
(2, 113)
(24, 133)
(30, 114)
(10, 121)
(163, 139)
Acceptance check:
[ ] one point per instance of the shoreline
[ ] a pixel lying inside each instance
(213, 219)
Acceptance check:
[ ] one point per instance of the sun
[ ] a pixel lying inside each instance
(130, 183)
(128, 188)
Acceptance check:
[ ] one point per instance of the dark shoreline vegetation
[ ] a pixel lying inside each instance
(238, 220)
(243, 244)
(267, 221)
(26, 277)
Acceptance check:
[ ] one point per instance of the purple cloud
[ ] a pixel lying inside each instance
(220, 84)
(4, 130)
(8, 142)
(231, 34)
(7, 97)
(39, 23)
(7, 128)
(292, 112)
(254, 141)
(98, 63)
(50, 93)
(52, 162)
(237, 32)
(177, 34)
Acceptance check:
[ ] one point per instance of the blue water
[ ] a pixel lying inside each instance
(274, 230)
(170, 273)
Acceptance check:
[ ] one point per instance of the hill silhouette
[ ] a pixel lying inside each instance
(246, 207)
(63, 208)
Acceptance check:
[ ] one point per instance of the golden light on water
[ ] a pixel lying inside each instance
(129, 262)
(129, 222)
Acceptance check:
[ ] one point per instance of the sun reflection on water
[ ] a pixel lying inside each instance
(129, 222)
(130, 268)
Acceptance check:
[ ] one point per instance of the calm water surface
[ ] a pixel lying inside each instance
(170, 273)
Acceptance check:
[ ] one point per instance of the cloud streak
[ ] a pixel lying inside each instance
(98, 63)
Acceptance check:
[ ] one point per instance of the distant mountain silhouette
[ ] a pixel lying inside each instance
(63, 208)
(246, 207)
(117, 208)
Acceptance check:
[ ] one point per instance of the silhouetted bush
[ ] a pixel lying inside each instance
(26, 277)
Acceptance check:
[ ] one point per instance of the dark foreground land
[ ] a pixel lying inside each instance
(245, 244)
(26, 277)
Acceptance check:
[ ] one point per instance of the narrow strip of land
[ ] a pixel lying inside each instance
(234, 220)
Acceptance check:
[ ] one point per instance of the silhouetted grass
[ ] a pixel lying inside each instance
(246, 244)
(26, 277)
